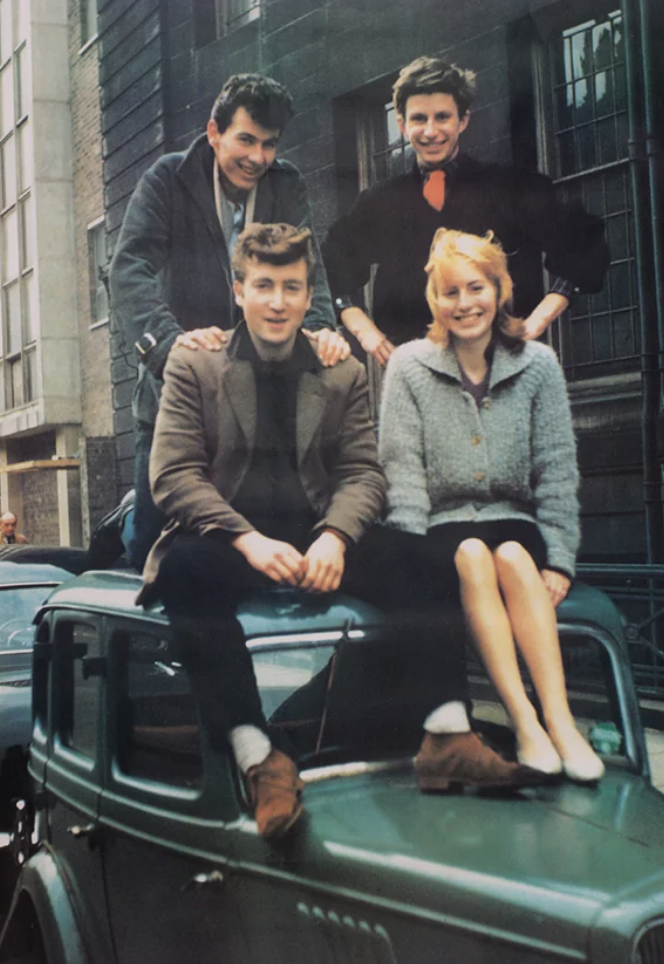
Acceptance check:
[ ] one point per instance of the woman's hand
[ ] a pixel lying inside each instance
(557, 585)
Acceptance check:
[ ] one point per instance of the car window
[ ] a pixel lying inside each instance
(17, 609)
(330, 703)
(78, 645)
(294, 684)
(354, 700)
(159, 733)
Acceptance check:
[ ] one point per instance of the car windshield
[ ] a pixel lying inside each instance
(345, 700)
(18, 605)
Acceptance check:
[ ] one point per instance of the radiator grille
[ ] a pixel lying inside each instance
(650, 948)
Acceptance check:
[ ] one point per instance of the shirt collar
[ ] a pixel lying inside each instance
(303, 358)
(449, 167)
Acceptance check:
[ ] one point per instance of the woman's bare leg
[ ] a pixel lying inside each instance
(533, 620)
(491, 627)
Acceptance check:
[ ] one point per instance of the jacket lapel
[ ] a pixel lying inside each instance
(240, 387)
(311, 403)
(192, 173)
(264, 198)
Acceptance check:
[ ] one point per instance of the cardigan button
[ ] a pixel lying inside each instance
(476, 439)
(479, 476)
(486, 404)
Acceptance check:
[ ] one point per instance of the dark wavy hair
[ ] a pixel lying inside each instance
(267, 102)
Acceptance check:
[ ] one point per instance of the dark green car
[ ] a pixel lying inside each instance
(139, 845)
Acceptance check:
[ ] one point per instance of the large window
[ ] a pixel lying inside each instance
(216, 18)
(18, 328)
(583, 137)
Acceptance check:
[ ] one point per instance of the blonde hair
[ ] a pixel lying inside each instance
(488, 256)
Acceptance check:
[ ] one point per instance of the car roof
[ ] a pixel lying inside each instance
(31, 574)
(261, 613)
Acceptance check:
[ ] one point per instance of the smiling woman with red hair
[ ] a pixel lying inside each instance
(478, 447)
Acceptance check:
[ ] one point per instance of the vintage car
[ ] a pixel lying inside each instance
(140, 847)
(22, 590)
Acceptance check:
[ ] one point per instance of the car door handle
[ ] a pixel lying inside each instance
(89, 832)
(214, 879)
(78, 832)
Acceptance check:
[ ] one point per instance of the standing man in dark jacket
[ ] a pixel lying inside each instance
(392, 224)
(171, 279)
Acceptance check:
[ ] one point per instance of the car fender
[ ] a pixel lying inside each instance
(42, 882)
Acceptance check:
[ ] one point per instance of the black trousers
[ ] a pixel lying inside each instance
(202, 581)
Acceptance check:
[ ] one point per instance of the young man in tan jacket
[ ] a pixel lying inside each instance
(265, 464)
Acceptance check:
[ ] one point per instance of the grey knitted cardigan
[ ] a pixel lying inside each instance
(513, 458)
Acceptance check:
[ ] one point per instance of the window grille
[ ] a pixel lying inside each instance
(584, 134)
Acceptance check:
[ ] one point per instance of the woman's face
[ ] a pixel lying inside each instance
(467, 303)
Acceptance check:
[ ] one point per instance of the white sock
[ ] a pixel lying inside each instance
(250, 746)
(451, 717)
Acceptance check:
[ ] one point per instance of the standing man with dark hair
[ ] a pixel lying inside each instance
(170, 278)
(265, 464)
(392, 224)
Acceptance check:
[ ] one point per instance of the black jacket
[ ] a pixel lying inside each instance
(392, 226)
(171, 270)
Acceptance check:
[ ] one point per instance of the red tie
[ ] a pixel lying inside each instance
(434, 189)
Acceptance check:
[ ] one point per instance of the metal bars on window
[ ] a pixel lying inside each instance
(585, 108)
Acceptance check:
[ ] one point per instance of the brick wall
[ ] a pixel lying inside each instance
(133, 83)
(36, 502)
(94, 341)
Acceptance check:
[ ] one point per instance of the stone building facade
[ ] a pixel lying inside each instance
(572, 89)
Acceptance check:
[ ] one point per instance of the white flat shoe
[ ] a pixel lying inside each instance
(545, 758)
(586, 768)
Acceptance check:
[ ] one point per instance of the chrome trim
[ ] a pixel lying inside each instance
(318, 774)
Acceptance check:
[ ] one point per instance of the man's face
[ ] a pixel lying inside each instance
(432, 125)
(275, 299)
(8, 526)
(244, 151)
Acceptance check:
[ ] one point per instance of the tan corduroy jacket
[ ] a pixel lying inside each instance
(205, 436)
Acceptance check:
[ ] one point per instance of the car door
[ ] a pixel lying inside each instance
(164, 814)
(73, 771)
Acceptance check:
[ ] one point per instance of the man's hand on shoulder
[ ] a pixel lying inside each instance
(278, 561)
(325, 563)
(371, 338)
(212, 339)
(550, 307)
(330, 346)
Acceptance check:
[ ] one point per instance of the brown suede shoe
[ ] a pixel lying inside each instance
(446, 760)
(275, 788)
